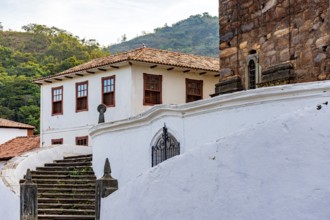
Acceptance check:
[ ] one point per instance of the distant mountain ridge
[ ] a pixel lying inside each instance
(198, 34)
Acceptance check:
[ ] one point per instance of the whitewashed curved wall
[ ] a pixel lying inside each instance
(127, 143)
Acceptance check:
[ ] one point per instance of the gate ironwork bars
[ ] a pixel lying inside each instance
(166, 147)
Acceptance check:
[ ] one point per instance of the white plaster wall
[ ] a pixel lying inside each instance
(173, 85)
(9, 204)
(127, 143)
(73, 123)
(278, 170)
(7, 134)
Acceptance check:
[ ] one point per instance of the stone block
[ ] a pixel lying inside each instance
(247, 27)
(226, 72)
(243, 45)
(323, 41)
(228, 85)
(285, 55)
(282, 32)
(228, 52)
(320, 57)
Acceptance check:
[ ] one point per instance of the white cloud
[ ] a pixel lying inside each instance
(102, 20)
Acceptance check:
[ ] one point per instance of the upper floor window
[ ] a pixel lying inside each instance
(152, 89)
(194, 90)
(57, 100)
(108, 91)
(82, 96)
(82, 141)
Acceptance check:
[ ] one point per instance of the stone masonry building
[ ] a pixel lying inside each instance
(272, 42)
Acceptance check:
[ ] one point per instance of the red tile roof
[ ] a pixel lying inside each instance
(4, 123)
(18, 145)
(148, 55)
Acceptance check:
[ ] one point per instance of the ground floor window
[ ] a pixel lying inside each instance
(57, 141)
(82, 141)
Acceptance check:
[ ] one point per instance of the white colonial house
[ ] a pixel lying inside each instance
(127, 83)
(12, 129)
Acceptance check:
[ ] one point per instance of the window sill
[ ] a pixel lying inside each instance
(57, 114)
(81, 110)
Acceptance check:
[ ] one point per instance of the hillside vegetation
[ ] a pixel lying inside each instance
(36, 52)
(198, 34)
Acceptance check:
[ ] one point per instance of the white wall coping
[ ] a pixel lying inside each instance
(16, 168)
(227, 101)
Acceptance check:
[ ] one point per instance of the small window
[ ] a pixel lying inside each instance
(82, 96)
(82, 141)
(152, 89)
(252, 74)
(108, 91)
(194, 90)
(57, 101)
(57, 141)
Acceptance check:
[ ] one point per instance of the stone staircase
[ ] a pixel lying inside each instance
(66, 189)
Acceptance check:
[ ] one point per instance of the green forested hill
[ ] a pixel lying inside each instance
(36, 52)
(198, 34)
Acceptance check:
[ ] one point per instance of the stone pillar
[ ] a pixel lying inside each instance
(104, 187)
(29, 198)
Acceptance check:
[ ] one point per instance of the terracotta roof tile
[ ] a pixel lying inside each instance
(4, 123)
(18, 145)
(148, 55)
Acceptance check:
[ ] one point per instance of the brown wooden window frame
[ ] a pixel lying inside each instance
(57, 141)
(82, 138)
(113, 92)
(55, 101)
(196, 95)
(147, 77)
(82, 97)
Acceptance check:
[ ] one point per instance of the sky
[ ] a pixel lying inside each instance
(103, 20)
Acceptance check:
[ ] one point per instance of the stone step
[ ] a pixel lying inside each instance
(66, 217)
(65, 206)
(62, 181)
(68, 190)
(61, 195)
(61, 172)
(67, 176)
(82, 159)
(67, 211)
(79, 156)
(68, 164)
(65, 168)
(66, 201)
(61, 186)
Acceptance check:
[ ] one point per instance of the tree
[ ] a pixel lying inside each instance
(123, 38)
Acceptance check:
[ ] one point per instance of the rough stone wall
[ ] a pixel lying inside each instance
(278, 32)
